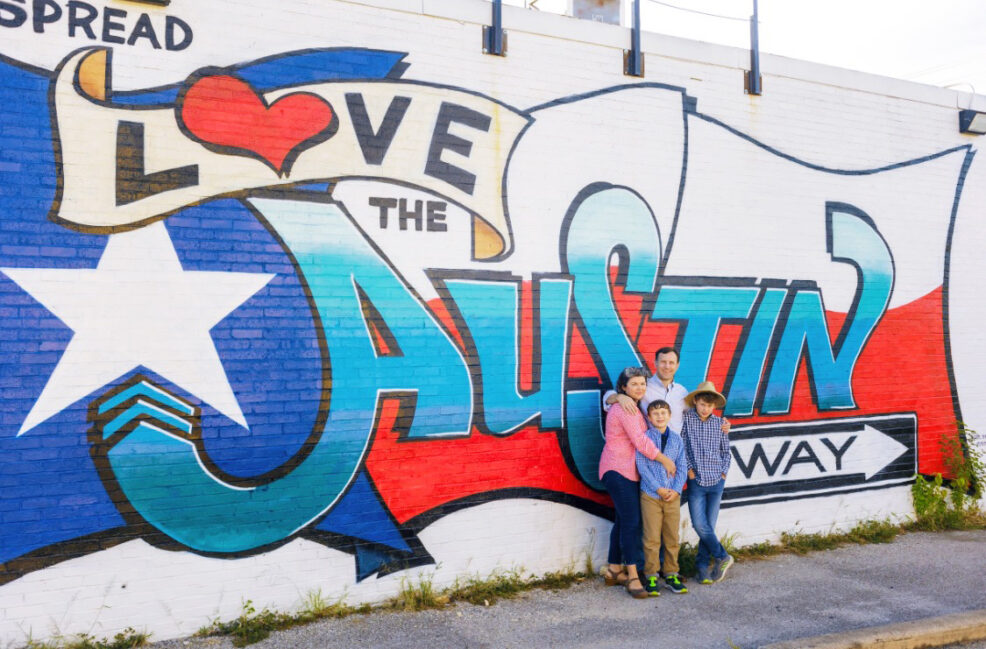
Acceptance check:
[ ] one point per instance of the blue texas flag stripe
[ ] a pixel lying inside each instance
(53, 492)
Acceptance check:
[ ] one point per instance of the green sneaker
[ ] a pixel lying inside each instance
(702, 576)
(721, 566)
(673, 582)
(652, 586)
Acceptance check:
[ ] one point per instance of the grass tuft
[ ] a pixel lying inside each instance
(485, 591)
(560, 580)
(417, 597)
(883, 531)
(805, 542)
(760, 550)
(479, 591)
(800, 543)
(129, 638)
(252, 626)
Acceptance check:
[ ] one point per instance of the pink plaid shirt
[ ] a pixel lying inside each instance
(625, 434)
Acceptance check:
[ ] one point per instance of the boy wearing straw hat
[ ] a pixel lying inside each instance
(707, 450)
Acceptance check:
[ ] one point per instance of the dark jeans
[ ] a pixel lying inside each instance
(703, 508)
(625, 545)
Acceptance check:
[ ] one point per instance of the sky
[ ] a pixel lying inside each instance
(937, 42)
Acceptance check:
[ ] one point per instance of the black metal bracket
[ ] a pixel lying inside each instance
(754, 82)
(633, 58)
(494, 38)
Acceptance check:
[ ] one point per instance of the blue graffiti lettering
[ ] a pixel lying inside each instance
(701, 310)
(339, 265)
(854, 239)
(591, 239)
(159, 470)
(589, 243)
(491, 314)
(753, 355)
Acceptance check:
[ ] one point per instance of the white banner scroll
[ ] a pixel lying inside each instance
(124, 166)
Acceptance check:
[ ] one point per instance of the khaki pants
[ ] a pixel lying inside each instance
(661, 521)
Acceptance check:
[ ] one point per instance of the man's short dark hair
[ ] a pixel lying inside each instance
(667, 350)
(658, 403)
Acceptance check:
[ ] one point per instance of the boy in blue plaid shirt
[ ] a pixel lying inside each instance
(707, 449)
(660, 501)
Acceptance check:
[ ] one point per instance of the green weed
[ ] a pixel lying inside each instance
(803, 542)
(479, 591)
(760, 550)
(316, 607)
(31, 643)
(417, 597)
(588, 567)
(253, 626)
(796, 543)
(883, 531)
(686, 559)
(938, 506)
(560, 580)
(866, 532)
(129, 638)
(486, 591)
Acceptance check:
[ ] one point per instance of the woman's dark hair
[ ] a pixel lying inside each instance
(629, 373)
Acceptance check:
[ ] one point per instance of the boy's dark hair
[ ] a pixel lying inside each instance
(667, 350)
(629, 373)
(707, 397)
(658, 403)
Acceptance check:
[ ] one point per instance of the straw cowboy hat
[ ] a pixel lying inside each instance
(705, 387)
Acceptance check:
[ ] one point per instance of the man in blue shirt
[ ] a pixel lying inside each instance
(659, 386)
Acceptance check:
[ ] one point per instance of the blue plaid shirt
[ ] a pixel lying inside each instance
(653, 476)
(706, 446)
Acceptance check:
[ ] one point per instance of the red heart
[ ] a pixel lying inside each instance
(227, 115)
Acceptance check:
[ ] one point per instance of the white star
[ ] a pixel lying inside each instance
(137, 307)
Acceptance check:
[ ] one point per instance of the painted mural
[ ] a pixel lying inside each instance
(308, 296)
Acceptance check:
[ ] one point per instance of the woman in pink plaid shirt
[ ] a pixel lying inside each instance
(618, 472)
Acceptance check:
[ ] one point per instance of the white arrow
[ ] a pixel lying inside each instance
(817, 455)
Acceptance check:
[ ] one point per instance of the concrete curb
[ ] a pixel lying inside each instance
(918, 634)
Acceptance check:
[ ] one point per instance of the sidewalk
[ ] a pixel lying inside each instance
(784, 598)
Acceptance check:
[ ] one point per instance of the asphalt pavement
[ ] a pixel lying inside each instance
(784, 598)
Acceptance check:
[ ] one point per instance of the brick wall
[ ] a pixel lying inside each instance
(321, 298)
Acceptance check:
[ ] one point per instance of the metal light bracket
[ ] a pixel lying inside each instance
(633, 58)
(494, 38)
(754, 82)
(972, 122)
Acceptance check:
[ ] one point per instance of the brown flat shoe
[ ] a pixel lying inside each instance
(615, 578)
(637, 592)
